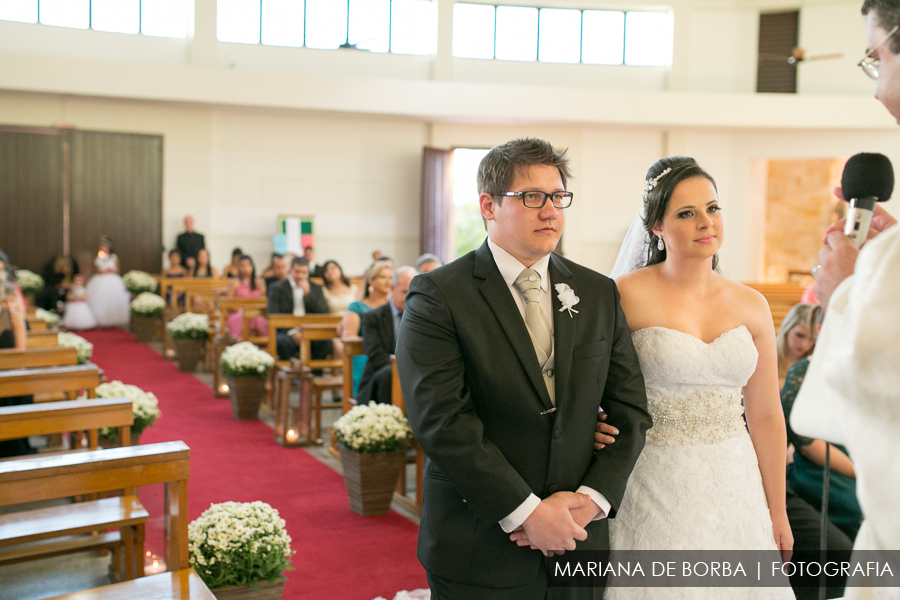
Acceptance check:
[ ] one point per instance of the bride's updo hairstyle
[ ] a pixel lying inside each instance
(658, 196)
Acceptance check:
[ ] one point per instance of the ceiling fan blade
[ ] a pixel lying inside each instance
(825, 56)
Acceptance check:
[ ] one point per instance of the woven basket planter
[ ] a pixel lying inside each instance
(246, 394)
(371, 479)
(260, 590)
(188, 354)
(144, 328)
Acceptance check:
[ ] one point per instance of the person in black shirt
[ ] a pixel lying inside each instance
(190, 242)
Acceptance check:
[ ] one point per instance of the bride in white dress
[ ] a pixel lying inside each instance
(705, 344)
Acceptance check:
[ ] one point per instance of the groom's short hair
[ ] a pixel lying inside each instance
(499, 166)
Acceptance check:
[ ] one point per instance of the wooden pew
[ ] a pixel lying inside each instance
(780, 296)
(71, 415)
(174, 288)
(70, 380)
(30, 358)
(353, 346)
(36, 324)
(82, 473)
(178, 585)
(400, 497)
(223, 338)
(41, 339)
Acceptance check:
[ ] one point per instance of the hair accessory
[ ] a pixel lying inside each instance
(651, 183)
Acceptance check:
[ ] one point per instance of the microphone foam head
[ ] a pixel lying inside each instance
(868, 175)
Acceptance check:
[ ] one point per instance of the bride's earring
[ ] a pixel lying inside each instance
(661, 245)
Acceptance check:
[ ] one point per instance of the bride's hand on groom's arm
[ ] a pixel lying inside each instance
(604, 433)
(552, 527)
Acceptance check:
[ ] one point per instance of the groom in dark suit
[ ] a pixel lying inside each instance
(505, 357)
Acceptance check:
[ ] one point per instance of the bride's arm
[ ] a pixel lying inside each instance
(765, 419)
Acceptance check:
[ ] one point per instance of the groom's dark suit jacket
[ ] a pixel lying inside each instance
(474, 395)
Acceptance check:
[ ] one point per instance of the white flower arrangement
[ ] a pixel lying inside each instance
(83, 348)
(139, 281)
(373, 428)
(50, 318)
(235, 543)
(29, 282)
(245, 359)
(189, 326)
(148, 304)
(144, 405)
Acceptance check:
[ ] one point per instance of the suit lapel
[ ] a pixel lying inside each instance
(563, 328)
(497, 294)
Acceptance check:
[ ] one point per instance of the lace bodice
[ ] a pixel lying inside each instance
(694, 388)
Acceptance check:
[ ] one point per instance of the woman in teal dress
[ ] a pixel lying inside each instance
(378, 290)
(805, 473)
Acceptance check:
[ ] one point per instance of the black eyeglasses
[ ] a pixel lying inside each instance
(539, 199)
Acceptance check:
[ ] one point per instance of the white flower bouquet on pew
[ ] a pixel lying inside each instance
(29, 283)
(144, 405)
(148, 304)
(235, 543)
(373, 428)
(245, 359)
(50, 318)
(83, 348)
(189, 326)
(139, 281)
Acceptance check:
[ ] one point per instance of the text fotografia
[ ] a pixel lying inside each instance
(722, 568)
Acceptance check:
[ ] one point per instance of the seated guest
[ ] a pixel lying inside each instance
(380, 340)
(176, 269)
(233, 270)
(203, 268)
(297, 296)
(190, 242)
(337, 289)
(805, 473)
(12, 335)
(796, 337)
(58, 276)
(279, 272)
(428, 262)
(8, 272)
(377, 293)
(246, 285)
(270, 270)
(315, 270)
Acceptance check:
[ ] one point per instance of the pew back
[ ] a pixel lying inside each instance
(41, 339)
(58, 356)
(25, 382)
(72, 415)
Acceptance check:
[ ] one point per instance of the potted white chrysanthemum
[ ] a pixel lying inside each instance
(146, 310)
(373, 441)
(30, 283)
(83, 348)
(246, 367)
(144, 405)
(50, 318)
(189, 330)
(241, 550)
(138, 282)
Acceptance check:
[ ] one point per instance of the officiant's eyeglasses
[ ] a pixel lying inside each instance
(871, 64)
(539, 199)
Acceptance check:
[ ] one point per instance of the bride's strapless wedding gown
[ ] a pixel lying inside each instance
(696, 485)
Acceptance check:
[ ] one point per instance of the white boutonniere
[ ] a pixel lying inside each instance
(568, 298)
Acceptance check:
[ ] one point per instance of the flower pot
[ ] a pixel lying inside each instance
(246, 394)
(144, 328)
(260, 590)
(371, 479)
(188, 354)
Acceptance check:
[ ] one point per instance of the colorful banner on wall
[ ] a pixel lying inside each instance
(295, 233)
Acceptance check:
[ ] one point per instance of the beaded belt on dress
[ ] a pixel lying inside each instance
(707, 416)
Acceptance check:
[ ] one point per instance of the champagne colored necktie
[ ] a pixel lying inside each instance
(529, 284)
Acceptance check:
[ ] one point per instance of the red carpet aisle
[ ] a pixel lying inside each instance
(340, 555)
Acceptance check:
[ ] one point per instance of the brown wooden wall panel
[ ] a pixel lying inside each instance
(117, 191)
(31, 198)
(777, 40)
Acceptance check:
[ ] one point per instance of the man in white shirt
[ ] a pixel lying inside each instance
(297, 296)
(505, 356)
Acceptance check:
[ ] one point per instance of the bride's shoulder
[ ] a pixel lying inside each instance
(751, 305)
(635, 279)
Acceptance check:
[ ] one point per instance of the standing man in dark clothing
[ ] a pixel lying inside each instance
(190, 242)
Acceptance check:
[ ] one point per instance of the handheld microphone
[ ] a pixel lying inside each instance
(867, 178)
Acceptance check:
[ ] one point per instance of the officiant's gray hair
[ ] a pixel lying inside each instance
(499, 167)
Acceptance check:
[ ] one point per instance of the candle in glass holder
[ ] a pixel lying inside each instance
(154, 564)
(292, 435)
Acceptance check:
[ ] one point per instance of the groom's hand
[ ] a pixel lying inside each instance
(551, 526)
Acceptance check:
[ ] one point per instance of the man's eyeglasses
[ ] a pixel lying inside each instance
(872, 64)
(539, 199)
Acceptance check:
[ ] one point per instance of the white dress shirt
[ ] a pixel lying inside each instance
(299, 304)
(510, 269)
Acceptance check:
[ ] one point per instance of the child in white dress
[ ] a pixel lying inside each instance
(78, 315)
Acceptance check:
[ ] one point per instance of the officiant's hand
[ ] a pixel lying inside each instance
(551, 527)
(604, 433)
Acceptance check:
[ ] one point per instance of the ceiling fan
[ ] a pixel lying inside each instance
(798, 55)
